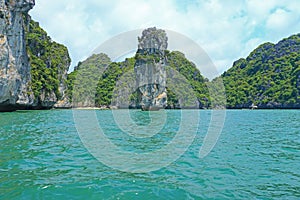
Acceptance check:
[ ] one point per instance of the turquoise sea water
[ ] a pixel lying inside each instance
(256, 157)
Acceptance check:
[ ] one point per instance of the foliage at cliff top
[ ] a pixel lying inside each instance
(48, 59)
(269, 77)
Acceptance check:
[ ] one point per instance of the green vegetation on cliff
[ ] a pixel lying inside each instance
(83, 80)
(111, 74)
(178, 62)
(49, 61)
(269, 77)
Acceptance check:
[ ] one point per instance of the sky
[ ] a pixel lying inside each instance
(225, 29)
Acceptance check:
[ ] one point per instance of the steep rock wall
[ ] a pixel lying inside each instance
(33, 68)
(14, 70)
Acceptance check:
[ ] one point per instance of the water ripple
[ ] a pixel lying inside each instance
(256, 157)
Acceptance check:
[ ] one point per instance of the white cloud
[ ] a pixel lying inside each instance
(280, 20)
(226, 30)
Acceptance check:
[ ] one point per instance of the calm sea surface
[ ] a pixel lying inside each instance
(257, 156)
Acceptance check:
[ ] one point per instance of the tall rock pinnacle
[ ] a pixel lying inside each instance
(150, 69)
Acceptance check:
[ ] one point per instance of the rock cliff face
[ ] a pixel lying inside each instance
(14, 70)
(33, 68)
(150, 69)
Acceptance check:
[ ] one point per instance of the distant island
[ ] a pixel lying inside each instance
(151, 69)
(33, 73)
(269, 78)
